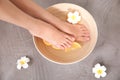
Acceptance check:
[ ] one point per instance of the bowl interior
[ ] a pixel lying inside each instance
(60, 56)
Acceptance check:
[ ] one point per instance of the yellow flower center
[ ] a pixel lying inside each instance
(100, 71)
(73, 17)
(22, 62)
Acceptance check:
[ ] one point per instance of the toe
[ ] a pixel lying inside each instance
(70, 38)
(83, 39)
(60, 46)
(84, 29)
(86, 34)
(69, 43)
(65, 45)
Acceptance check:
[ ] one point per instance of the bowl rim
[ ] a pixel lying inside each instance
(73, 62)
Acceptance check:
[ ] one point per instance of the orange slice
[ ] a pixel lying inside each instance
(74, 46)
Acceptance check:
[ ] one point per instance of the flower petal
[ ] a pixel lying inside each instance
(73, 17)
(23, 58)
(25, 66)
(94, 70)
(70, 14)
(78, 18)
(103, 74)
(19, 66)
(76, 13)
(18, 61)
(69, 20)
(103, 68)
(27, 60)
(74, 22)
(97, 75)
(97, 65)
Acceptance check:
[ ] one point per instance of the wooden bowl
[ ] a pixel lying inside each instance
(60, 56)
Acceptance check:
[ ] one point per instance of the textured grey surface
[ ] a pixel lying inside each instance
(16, 42)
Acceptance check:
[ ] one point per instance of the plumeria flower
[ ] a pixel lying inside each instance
(73, 17)
(99, 71)
(23, 62)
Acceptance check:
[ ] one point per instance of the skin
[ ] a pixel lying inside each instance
(12, 14)
(80, 32)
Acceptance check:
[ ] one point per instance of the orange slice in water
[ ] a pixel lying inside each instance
(74, 46)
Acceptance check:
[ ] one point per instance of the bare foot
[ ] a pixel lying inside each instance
(52, 35)
(79, 31)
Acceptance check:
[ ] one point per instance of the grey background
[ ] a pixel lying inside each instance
(16, 42)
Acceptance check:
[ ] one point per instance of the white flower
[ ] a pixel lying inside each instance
(23, 62)
(73, 18)
(99, 71)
